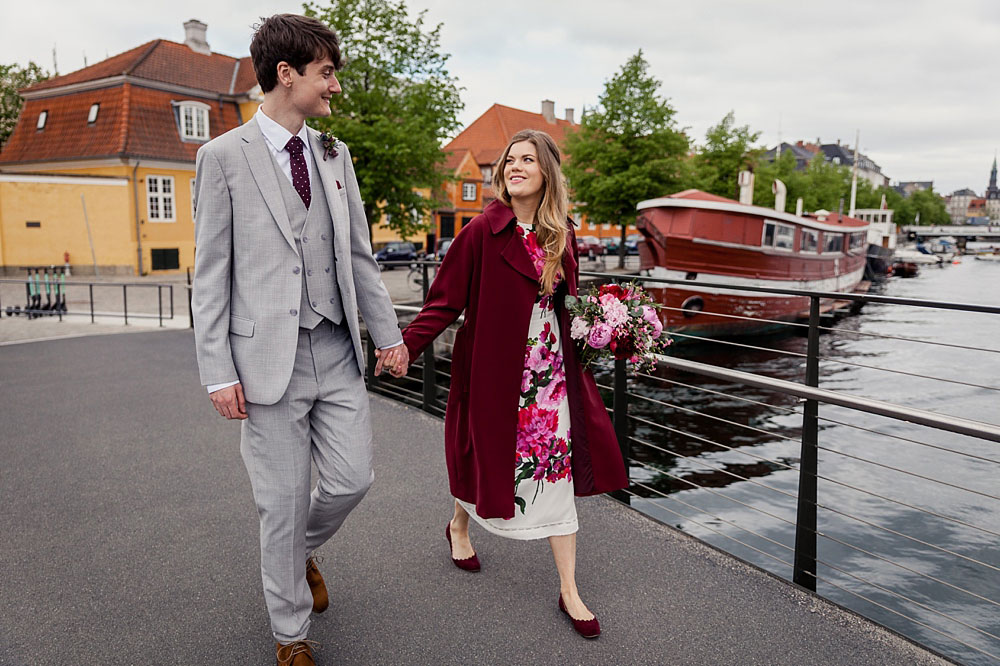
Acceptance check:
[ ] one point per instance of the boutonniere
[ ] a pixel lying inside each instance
(329, 142)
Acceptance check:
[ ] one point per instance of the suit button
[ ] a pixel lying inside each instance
(313, 303)
(296, 270)
(309, 272)
(327, 269)
(323, 237)
(293, 312)
(333, 300)
(305, 239)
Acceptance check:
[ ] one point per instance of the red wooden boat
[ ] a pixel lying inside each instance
(699, 237)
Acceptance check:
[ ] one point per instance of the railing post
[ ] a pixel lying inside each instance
(125, 302)
(804, 569)
(430, 374)
(90, 288)
(620, 408)
(190, 311)
(171, 291)
(159, 299)
(370, 366)
(426, 284)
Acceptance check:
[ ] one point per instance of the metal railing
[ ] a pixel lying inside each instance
(915, 614)
(34, 308)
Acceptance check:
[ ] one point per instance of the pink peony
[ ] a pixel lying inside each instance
(600, 336)
(525, 381)
(535, 427)
(538, 358)
(579, 328)
(550, 395)
(649, 314)
(657, 328)
(615, 312)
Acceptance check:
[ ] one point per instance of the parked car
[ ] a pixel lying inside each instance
(610, 244)
(442, 248)
(632, 243)
(589, 246)
(396, 251)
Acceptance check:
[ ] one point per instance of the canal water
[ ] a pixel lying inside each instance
(886, 532)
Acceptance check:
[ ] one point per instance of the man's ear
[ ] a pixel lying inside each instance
(284, 74)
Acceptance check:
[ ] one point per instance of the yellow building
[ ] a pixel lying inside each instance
(101, 163)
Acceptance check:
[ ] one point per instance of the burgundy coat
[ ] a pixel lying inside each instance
(488, 274)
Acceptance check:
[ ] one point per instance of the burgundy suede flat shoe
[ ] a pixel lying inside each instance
(587, 628)
(470, 564)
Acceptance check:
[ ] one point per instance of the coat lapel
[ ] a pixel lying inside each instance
(331, 188)
(517, 256)
(262, 167)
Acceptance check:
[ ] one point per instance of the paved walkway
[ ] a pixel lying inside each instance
(130, 536)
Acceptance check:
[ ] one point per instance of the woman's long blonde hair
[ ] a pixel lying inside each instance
(550, 218)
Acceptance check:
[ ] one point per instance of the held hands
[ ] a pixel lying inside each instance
(229, 402)
(396, 360)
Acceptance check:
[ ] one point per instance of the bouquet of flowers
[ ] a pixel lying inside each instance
(617, 321)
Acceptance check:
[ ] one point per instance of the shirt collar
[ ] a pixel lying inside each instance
(275, 134)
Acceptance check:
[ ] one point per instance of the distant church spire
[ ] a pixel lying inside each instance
(992, 192)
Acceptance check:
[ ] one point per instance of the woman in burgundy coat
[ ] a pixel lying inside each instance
(525, 428)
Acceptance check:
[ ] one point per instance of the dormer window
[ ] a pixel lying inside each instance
(42, 117)
(194, 121)
(92, 114)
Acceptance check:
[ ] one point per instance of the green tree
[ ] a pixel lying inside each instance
(928, 204)
(398, 104)
(627, 149)
(727, 151)
(14, 78)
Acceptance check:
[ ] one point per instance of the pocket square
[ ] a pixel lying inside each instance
(339, 186)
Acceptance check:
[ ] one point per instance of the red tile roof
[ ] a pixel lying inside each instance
(166, 62)
(488, 134)
(132, 122)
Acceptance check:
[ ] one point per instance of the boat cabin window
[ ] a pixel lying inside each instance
(858, 240)
(833, 242)
(809, 241)
(779, 236)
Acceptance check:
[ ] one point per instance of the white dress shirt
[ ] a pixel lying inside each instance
(276, 137)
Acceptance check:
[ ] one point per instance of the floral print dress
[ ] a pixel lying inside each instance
(543, 478)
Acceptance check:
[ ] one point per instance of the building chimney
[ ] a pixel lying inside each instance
(194, 37)
(569, 116)
(549, 110)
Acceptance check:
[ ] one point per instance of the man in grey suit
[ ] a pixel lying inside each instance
(283, 265)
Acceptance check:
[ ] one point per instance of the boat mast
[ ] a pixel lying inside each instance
(854, 176)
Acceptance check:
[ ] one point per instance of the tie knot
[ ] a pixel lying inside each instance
(295, 146)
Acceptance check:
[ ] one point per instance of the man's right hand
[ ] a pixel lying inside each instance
(229, 402)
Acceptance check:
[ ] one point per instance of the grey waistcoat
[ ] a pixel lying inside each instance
(313, 230)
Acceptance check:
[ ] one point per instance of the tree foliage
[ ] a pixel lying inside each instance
(727, 151)
(398, 104)
(627, 149)
(13, 78)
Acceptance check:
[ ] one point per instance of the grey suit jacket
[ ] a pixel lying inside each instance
(247, 283)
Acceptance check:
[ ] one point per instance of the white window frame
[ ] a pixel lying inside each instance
(787, 231)
(158, 200)
(856, 242)
(487, 174)
(830, 235)
(197, 114)
(43, 117)
(468, 188)
(815, 239)
(92, 114)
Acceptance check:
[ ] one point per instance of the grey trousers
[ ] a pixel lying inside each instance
(322, 418)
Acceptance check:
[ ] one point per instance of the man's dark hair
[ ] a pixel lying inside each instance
(298, 40)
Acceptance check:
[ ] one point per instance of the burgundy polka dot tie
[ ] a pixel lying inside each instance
(300, 174)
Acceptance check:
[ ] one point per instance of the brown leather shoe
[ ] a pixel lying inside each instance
(321, 600)
(298, 653)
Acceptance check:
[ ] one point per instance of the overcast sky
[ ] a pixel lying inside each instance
(917, 78)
